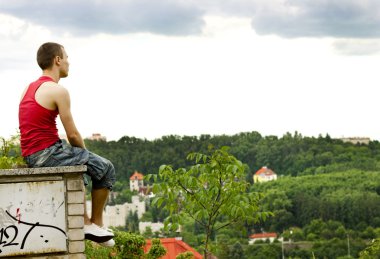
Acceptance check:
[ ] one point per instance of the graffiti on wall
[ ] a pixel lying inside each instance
(32, 218)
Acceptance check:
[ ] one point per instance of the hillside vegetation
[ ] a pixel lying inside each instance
(326, 196)
(291, 154)
(326, 200)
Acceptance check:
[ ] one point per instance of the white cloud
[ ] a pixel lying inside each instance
(224, 79)
(337, 18)
(286, 18)
(357, 46)
(88, 17)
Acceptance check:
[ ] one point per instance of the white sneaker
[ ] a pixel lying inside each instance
(108, 229)
(97, 234)
(109, 243)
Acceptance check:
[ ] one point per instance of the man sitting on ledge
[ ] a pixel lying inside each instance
(40, 104)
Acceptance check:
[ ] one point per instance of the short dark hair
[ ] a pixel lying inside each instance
(46, 54)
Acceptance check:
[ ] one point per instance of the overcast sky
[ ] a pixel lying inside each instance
(149, 68)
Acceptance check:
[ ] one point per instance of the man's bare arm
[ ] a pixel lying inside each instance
(63, 105)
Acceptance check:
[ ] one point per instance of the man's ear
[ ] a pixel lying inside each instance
(57, 60)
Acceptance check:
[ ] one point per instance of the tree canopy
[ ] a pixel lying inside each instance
(213, 189)
(291, 154)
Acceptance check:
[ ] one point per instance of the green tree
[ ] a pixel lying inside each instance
(372, 251)
(213, 187)
(156, 250)
(147, 216)
(223, 249)
(127, 246)
(132, 222)
(10, 153)
(123, 196)
(92, 250)
(237, 251)
(185, 255)
(263, 251)
(148, 233)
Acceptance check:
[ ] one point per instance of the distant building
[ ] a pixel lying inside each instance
(116, 215)
(263, 237)
(357, 140)
(155, 227)
(264, 174)
(174, 247)
(136, 181)
(97, 136)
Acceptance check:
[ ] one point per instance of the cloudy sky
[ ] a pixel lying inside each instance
(149, 68)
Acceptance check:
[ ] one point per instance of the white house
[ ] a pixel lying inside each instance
(262, 236)
(264, 174)
(136, 181)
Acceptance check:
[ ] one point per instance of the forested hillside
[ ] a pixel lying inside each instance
(326, 199)
(291, 154)
(351, 197)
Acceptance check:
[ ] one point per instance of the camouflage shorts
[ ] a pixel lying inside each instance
(101, 170)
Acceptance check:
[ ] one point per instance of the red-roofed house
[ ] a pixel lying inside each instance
(262, 236)
(174, 247)
(136, 181)
(264, 174)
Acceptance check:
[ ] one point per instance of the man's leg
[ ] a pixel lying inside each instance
(64, 155)
(93, 228)
(99, 200)
(102, 174)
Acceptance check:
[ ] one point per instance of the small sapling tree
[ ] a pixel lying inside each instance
(212, 188)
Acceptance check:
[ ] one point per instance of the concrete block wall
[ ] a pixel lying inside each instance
(41, 212)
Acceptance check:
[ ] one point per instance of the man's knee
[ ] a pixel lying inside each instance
(111, 175)
(108, 179)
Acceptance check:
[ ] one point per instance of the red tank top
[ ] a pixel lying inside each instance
(37, 124)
